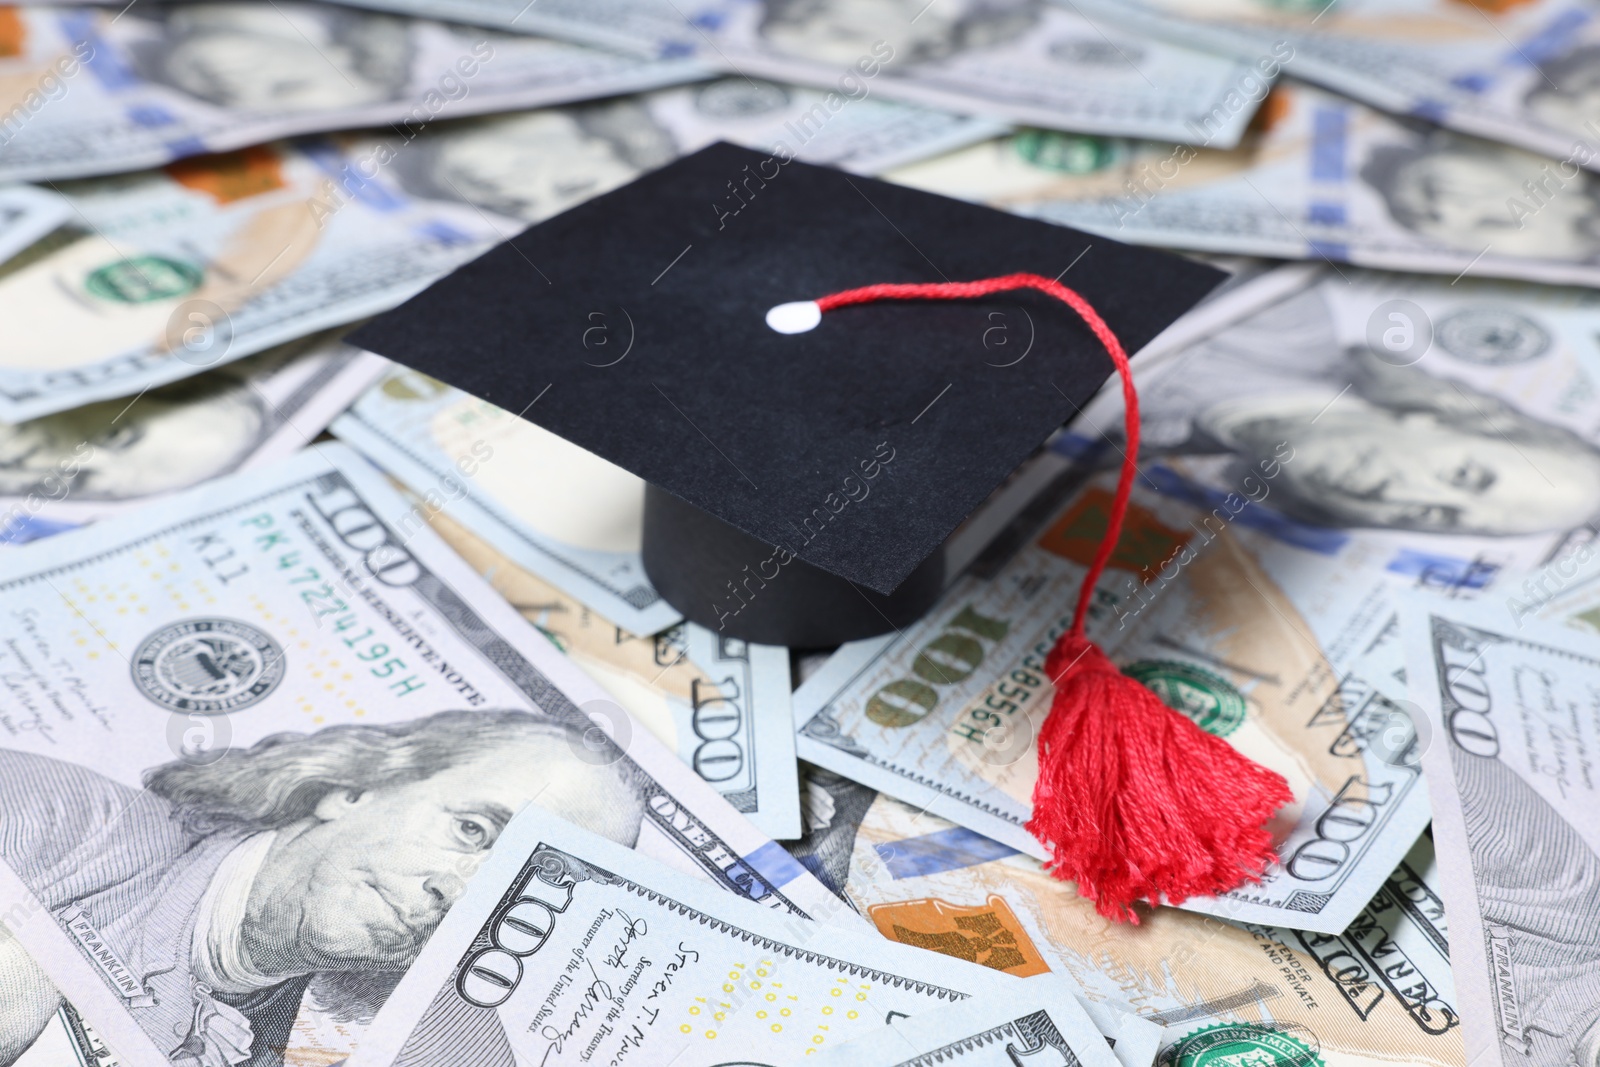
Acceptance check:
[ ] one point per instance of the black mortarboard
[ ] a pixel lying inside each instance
(634, 325)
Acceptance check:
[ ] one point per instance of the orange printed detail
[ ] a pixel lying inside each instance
(12, 32)
(232, 175)
(1274, 109)
(988, 934)
(1145, 543)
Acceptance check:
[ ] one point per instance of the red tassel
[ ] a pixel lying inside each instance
(1134, 801)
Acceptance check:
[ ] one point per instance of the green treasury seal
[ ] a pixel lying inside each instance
(141, 279)
(1238, 1045)
(1214, 704)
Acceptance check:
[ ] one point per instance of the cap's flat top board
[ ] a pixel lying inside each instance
(637, 320)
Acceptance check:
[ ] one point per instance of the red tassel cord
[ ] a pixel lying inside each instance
(1133, 800)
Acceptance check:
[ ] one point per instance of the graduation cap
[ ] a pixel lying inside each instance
(800, 486)
(803, 476)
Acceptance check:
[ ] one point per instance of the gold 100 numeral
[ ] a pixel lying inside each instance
(951, 657)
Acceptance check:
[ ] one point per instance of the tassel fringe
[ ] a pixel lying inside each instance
(1136, 802)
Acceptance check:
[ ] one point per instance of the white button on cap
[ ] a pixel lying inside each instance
(796, 317)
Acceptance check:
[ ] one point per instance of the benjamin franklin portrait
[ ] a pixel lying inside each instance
(230, 887)
(1401, 449)
(168, 439)
(287, 57)
(839, 32)
(535, 164)
(1456, 191)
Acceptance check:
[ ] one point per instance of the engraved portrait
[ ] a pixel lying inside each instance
(174, 437)
(534, 164)
(235, 885)
(1471, 195)
(276, 57)
(839, 32)
(1400, 449)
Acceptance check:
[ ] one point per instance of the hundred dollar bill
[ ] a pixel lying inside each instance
(1297, 471)
(1460, 456)
(27, 214)
(1024, 61)
(1524, 73)
(722, 705)
(62, 470)
(577, 523)
(1318, 177)
(1026, 1023)
(87, 91)
(1013, 61)
(1456, 432)
(217, 257)
(1488, 378)
(177, 271)
(1021, 61)
(569, 949)
(1511, 716)
(256, 741)
(944, 713)
(1224, 993)
(1491, 379)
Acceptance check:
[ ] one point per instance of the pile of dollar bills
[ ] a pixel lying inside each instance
(340, 723)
